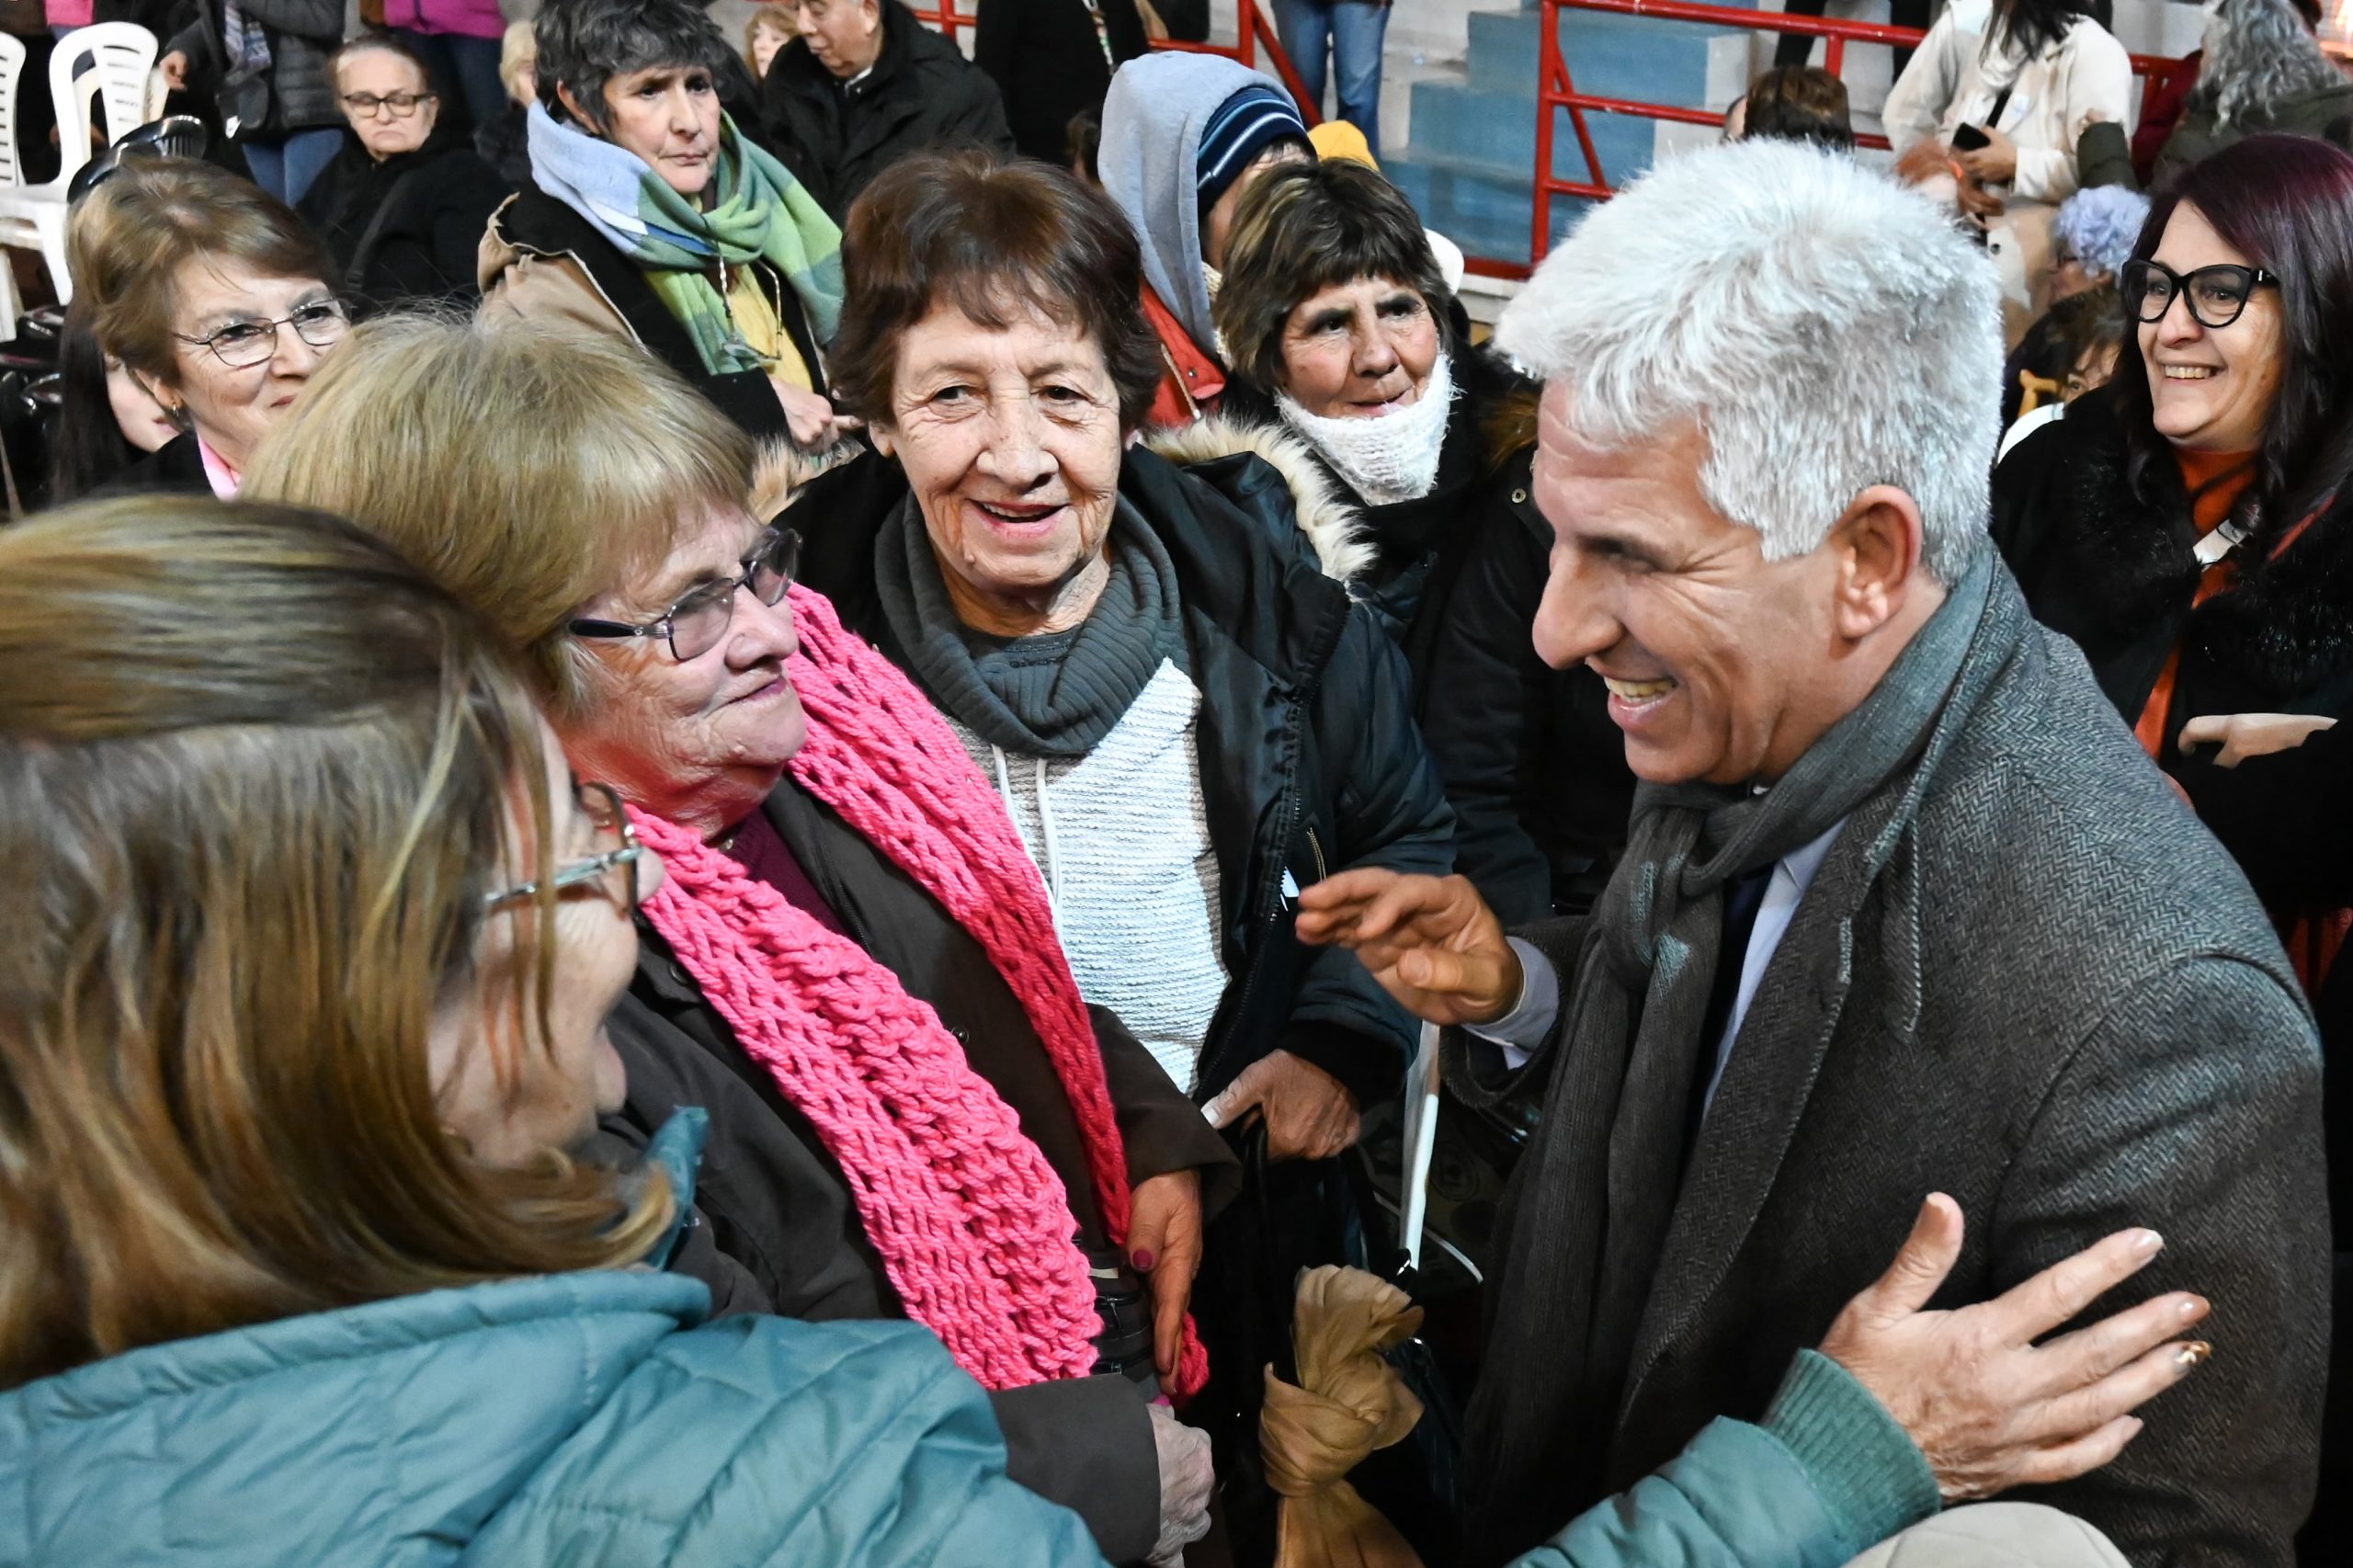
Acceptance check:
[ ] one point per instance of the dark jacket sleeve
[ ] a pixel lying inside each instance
(318, 20)
(1087, 1443)
(2283, 818)
(1486, 702)
(1389, 811)
(979, 119)
(1474, 1069)
(1163, 1128)
(2194, 1108)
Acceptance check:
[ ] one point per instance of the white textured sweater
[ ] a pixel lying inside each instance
(1121, 836)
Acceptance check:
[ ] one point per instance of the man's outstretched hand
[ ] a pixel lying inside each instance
(1431, 941)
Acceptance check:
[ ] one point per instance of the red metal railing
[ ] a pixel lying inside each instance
(1555, 91)
(1253, 30)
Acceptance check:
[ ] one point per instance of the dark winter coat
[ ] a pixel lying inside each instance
(2198, 135)
(304, 35)
(505, 144)
(2115, 574)
(1048, 65)
(542, 260)
(921, 93)
(176, 468)
(1310, 760)
(1533, 767)
(779, 1229)
(2059, 1002)
(435, 205)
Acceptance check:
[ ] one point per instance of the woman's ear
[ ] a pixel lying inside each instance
(572, 108)
(882, 437)
(166, 398)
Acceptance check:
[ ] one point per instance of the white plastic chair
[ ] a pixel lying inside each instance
(12, 76)
(121, 56)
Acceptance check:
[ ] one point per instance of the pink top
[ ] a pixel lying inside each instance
(218, 471)
(467, 19)
(69, 13)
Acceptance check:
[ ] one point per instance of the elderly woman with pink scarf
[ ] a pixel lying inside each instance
(851, 966)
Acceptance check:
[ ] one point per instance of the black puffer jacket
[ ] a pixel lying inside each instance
(434, 203)
(1311, 762)
(304, 35)
(921, 93)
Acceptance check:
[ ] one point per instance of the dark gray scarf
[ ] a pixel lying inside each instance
(1041, 697)
(1593, 1197)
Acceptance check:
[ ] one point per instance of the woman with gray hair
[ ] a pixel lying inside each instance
(653, 218)
(2263, 71)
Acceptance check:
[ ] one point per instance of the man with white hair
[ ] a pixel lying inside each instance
(1903, 907)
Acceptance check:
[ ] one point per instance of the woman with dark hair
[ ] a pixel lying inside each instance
(2262, 68)
(1988, 115)
(403, 207)
(1340, 331)
(651, 216)
(2191, 528)
(1799, 103)
(105, 420)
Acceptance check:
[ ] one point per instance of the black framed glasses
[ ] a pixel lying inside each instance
(242, 344)
(615, 867)
(694, 624)
(2216, 295)
(364, 105)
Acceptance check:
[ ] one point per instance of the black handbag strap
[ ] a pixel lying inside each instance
(365, 252)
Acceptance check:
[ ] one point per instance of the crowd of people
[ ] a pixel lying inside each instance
(748, 807)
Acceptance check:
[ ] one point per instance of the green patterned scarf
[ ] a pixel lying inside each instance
(758, 213)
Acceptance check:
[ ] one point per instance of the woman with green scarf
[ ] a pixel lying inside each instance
(650, 215)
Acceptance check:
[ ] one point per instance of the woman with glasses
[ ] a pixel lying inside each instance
(403, 206)
(215, 298)
(2190, 526)
(652, 217)
(854, 969)
(303, 987)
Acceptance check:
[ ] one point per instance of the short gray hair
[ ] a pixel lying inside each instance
(1826, 329)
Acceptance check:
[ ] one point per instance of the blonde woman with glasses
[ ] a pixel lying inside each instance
(303, 1002)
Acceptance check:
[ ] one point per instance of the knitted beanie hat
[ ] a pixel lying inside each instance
(1253, 119)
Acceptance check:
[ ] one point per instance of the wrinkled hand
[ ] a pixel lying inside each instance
(1431, 941)
(1996, 163)
(1976, 201)
(1164, 1244)
(1310, 1115)
(2243, 735)
(1185, 1479)
(175, 69)
(811, 418)
(1922, 162)
(1989, 1407)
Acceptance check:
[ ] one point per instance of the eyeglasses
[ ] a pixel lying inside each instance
(2216, 295)
(364, 106)
(603, 809)
(242, 344)
(695, 624)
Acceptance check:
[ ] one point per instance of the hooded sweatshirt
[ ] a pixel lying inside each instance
(1149, 159)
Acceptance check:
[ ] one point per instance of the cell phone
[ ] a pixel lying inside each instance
(1968, 138)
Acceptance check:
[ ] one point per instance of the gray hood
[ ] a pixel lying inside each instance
(1150, 162)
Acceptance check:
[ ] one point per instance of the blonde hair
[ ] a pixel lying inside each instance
(260, 774)
(518, 50)
(130, 238)
(529, 470)
(767, 18)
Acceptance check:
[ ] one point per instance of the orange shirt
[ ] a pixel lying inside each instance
(2216, 480)
(1191, 380)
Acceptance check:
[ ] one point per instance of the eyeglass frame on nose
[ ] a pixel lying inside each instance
(213, 341)
(779, 548)
(2179, 285)
(364, 105)
(595, 868)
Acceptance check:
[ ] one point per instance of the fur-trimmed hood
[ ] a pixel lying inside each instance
(1333, 528)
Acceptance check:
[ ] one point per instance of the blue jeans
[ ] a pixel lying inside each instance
(464, 70)
(1348, 33)
(285, 165)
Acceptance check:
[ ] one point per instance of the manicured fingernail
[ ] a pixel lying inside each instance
(2147, 1243)
(2193, 1308)
(1143, 1258)
(2191, 1354)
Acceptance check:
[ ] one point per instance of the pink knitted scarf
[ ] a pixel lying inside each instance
(968, 1217)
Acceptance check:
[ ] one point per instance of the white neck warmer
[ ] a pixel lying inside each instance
(1390, 457)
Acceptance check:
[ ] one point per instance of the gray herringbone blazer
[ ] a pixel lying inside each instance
(2069, 1013)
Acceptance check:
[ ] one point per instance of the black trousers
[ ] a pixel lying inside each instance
(1796, 47)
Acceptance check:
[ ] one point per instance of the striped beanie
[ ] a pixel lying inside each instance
(1253, 119)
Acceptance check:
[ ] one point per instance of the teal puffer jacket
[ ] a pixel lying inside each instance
(578, 1420)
